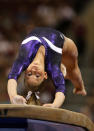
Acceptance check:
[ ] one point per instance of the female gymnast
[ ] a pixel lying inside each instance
(46, 52)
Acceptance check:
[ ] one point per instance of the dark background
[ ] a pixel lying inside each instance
(75, 18)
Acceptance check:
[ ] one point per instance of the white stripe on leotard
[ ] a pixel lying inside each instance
(53, 47)
(31, 38)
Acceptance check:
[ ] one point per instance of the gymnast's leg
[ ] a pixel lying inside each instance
(69, 59)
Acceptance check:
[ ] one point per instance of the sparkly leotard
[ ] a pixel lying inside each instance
(53, 41)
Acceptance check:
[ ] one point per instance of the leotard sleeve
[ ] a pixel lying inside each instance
(20, 63)
(57, 78)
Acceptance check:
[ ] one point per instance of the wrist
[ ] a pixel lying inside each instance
(12, 96)
(59, 99)
(54, 105)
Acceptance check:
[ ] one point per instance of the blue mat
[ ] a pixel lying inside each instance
(23, 124)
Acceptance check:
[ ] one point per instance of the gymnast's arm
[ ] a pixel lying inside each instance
(58, 101)
(11, 86)
(59, 83)
(12, 91)
(15, 72)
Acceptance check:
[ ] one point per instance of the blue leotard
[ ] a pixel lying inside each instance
(53, 41)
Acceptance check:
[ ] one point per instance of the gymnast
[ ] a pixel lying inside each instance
(46, 52)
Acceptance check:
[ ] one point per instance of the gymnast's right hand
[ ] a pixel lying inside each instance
(17, 99)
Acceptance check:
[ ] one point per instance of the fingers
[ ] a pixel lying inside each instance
(24, 100)
(48, 105)
(19, 100)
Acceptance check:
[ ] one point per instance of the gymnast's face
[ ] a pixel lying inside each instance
(35, 74)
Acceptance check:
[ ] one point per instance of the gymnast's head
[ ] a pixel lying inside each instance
(34, 75)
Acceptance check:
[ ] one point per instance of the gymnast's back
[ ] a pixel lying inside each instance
(49, 33)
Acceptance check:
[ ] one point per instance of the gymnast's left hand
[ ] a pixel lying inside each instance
(49, 105)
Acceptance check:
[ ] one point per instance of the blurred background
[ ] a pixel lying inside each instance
(74, 18)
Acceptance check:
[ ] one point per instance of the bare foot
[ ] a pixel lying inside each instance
(80, 92)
